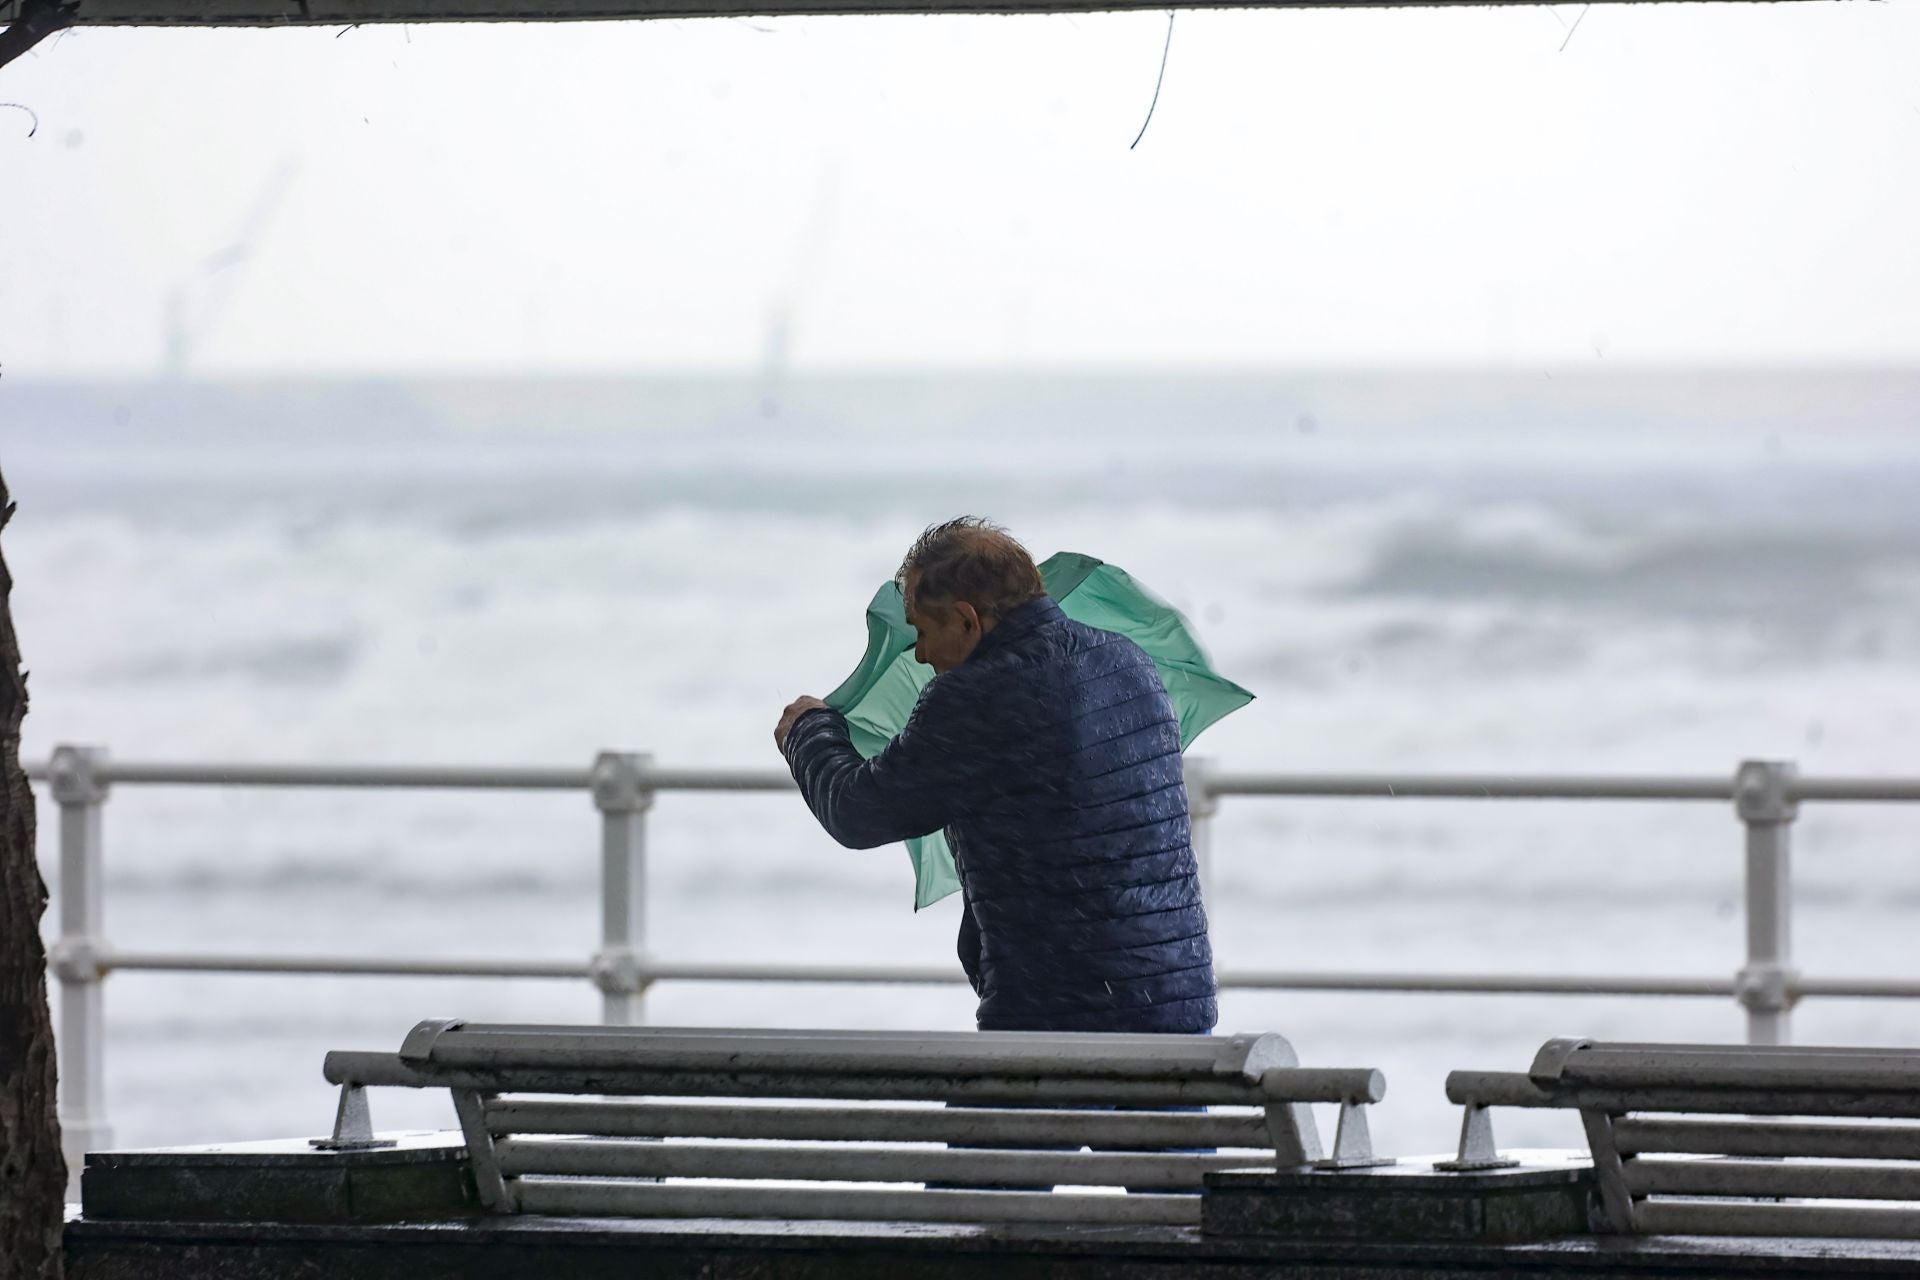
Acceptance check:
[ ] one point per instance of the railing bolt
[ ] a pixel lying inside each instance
(76, 960)
(1763, 791)
(620, 782)
(73, 775)
(620, 972)
(1765, 988)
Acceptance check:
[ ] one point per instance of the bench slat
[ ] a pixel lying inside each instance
(798, 1058)
(1635, 1066)
(1635, 1136)
(1085, 1054)
(689, 1200)
(1090, 1056)
(1747, 1178)
(603, 1031)
(1669, 1217)
(1782, 1052)
(519, 1157)
(1292, 1085)
(880, 1124)
(1505, 1089)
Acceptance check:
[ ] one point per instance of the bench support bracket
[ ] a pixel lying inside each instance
(1294, 1135)
(471, 1107)
(352, 1124)
(1353, 1141)
(1477, 1148)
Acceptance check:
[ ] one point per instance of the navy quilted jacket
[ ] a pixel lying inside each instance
(1051, 757)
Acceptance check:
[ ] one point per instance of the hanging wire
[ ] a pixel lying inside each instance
(1575, 27)
(21, 106)
(1158, 81)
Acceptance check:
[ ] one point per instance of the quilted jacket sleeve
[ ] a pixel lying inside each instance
(968, 944)
(925, 777)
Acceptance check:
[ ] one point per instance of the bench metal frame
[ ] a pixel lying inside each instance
(1698, 1139)
(739, 1111)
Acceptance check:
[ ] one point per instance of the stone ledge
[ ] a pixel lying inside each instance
(515, 1248)
(423, 1176)
(1544, 1197)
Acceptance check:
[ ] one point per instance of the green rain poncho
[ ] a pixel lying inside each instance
(880, 694)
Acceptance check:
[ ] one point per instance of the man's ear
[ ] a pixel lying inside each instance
(968, 614)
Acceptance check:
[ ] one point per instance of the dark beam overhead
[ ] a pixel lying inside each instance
(276, 13)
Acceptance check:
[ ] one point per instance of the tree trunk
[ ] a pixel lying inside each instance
(35, 22)
(33, 1175)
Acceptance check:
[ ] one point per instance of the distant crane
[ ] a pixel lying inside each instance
(811, 249)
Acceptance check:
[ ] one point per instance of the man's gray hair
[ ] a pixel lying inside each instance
(974, 560)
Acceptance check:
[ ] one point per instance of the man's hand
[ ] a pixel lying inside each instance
(795, 709)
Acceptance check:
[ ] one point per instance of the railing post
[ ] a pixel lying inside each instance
(1763, 797)
(1202, 804)
(76, 956)
(623, 795)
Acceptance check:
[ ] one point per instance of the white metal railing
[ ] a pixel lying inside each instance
(1766, 796)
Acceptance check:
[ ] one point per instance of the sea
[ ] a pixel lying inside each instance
(1590, 570)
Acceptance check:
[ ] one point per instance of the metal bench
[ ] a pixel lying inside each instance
(829, 1124)
(1745, 1170)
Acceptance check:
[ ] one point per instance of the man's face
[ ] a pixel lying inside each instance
(948, 630)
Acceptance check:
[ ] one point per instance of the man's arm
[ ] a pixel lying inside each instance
(917, 785)
(968, 944)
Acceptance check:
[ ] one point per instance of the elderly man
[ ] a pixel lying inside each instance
(1050, 755)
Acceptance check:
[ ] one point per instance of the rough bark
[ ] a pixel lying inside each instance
(36, 22)
(33, 1174)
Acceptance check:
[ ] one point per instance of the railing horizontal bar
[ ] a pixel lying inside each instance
(1335, 785)
(720, 779)
(459, 777)
(656, 971)
(449, 967)
(1472, 787)
(1862, 789)
(1246, 980)
(1243, 979)
(1478, 983)
(668, 971)
(1896, 988)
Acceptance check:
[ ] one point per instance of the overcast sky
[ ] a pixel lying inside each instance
(1679, 183)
